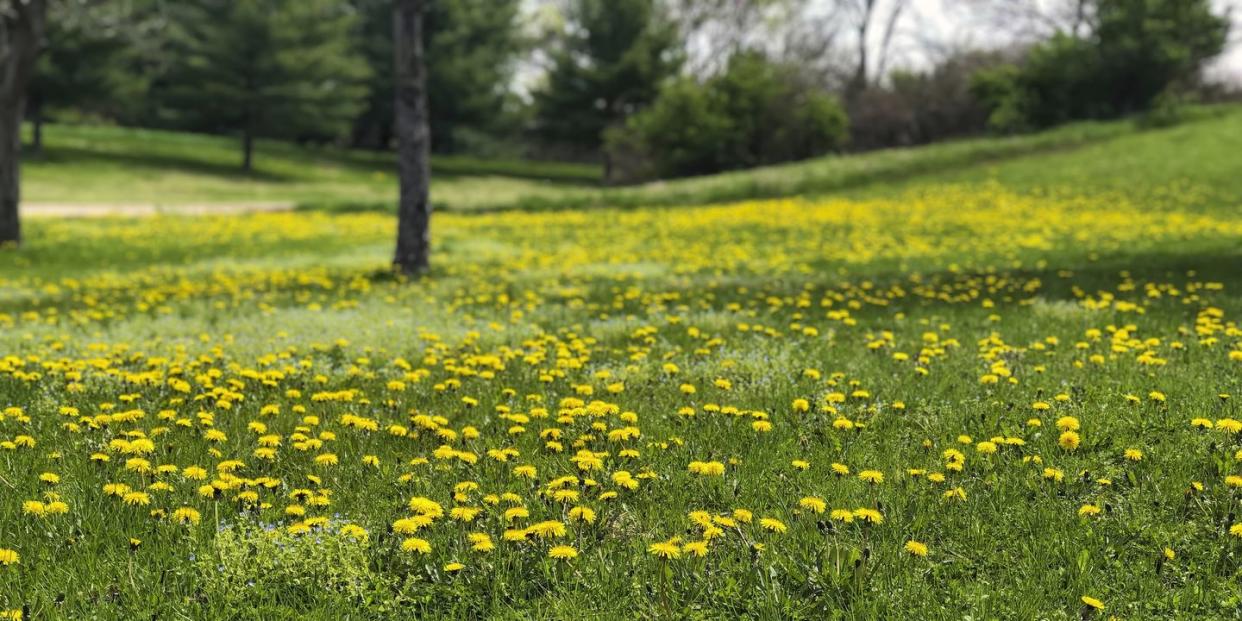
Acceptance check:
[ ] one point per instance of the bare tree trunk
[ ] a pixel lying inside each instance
(35, 109)
(10, 152)
(21, 36)
(413, 140)
(247, 150)
(886, 44)
(860, 81)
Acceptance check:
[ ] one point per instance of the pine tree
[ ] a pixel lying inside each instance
(273, 68)
(614, 58)
(88, 61)
(471, 47)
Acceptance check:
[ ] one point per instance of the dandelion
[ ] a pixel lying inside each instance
(1092, 602)
(187, 516)
(355, 532)
(773, 525)
(563, 553)
(814, 504)
(480, 542)
(1069, 440)
(453, 567)
(916, 548)
(137, 499)
(874, 477)
(548, 529)
(416, 545)
(665, 549)
(708, 468)
(1089, 510)
(582, 514)
(1133, 454)
(9, 557)
(870, 516)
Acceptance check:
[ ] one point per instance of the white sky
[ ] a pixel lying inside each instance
(957, 22)
(931, 24)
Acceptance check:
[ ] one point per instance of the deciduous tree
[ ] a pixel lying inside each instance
(22, 24)
(413, 139)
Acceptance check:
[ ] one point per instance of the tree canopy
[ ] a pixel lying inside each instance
(278, 68)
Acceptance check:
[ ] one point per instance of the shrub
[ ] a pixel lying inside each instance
(754, 113)
(919, 107)
(1136, 50)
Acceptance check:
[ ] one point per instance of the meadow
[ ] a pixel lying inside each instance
(1001, 387)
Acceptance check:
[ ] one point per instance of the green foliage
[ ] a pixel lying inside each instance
(282, 68)
(920, 107)
(89, 59)
(471, 45)
(122, 166)
(613, 60)
(1136, 50)
(755, 113)
(248, 567)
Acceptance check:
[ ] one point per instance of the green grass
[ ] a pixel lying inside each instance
(944, 313)
(112, 165)
(1100, 156)
(97, 164)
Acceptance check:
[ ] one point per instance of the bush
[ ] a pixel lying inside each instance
(757, 112)
(1136, 51)
(923, 107)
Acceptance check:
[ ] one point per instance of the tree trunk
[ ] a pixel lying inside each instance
(10, 151)
(413, 140)
(36, 144)
(21, 36)
(247, 150)
(36, 121)
(859, 82)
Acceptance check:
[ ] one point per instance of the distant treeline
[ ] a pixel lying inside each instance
(649, 88)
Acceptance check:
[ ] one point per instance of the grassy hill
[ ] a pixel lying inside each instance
(972, 380)
(114, 165)
(97, 164)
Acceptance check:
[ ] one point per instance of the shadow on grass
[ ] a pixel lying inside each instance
(361, 163)
(157, 163)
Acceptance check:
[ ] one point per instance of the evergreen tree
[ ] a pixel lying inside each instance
(90, 60)
(614, 57)
(274, 68)
(471, 48)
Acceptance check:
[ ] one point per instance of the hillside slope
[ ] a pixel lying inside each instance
(114, 165)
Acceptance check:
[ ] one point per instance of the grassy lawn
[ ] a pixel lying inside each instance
(110, 165)
(93, 164)
(1002, 384)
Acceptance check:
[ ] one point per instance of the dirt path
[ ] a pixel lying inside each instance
(106, 210)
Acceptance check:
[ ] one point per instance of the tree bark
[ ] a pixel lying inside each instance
(21, 37)
(247, 150)
(36, 121)
(413, 140)
(859, 82)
